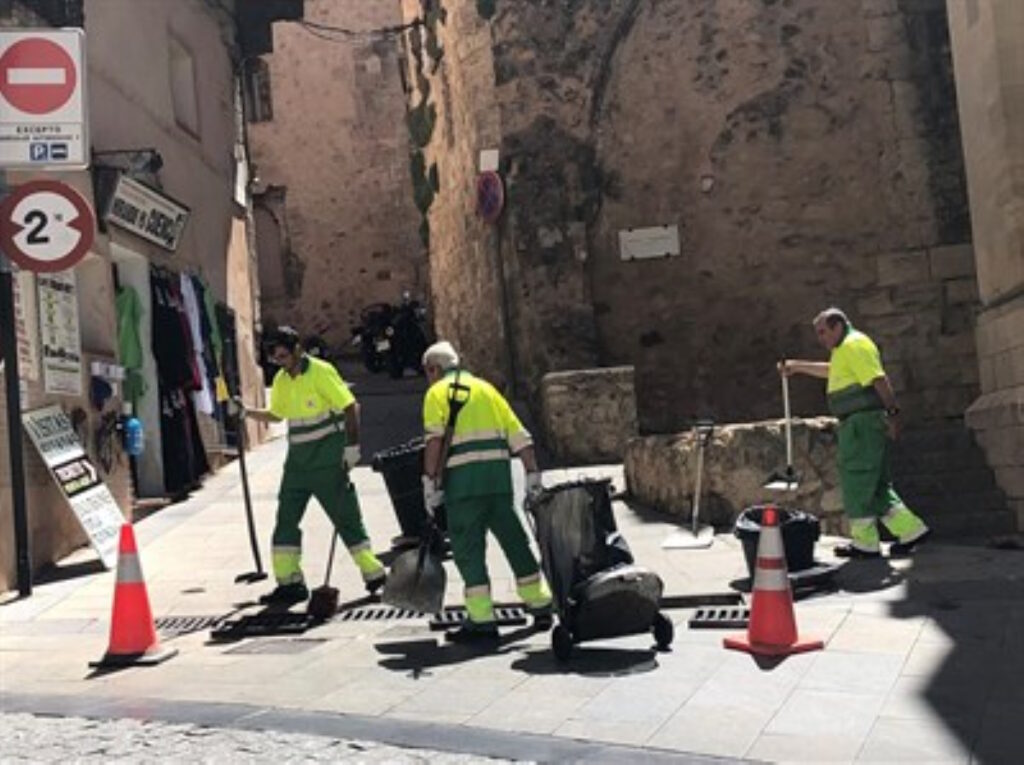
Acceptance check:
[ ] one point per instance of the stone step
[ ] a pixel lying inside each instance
(972, 480)
(971, 525)
(905, 462)
(938, 439)
(943, 504)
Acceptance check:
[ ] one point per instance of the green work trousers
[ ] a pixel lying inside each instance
(868, 493)
(335, 492)
(469, 520)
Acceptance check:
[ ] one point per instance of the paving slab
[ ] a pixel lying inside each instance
(932, 642)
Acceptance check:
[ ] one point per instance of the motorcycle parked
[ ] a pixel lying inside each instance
(408, 337)
(373, 335)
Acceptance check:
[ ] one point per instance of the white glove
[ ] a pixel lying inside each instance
(534, 486)
(352, 456)
(433, 497)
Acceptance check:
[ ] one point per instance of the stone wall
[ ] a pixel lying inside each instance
(589, 415)
(990, 78)
(807, 152)
(337, 216)
(661, 471)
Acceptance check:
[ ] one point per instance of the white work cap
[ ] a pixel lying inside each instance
(441, 354)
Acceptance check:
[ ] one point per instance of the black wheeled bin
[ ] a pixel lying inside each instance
(800, 531)
(402, 468)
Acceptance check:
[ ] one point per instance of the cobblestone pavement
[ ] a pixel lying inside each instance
(31, 738)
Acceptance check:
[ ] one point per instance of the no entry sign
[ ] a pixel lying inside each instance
(42, 102)
(45, 226)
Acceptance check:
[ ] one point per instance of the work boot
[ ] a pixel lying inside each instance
(286, 595)
(542, 617)
(372, 585)
(849, 551)
(906, 549)
(474, 634)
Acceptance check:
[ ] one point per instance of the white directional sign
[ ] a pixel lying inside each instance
(46, 226)
(42, 99)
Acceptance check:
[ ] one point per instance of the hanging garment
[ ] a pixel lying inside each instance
(129, 344)
(202, 396)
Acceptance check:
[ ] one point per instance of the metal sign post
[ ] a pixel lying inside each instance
(9, 340)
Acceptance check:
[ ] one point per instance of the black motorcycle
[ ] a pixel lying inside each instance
(408, 338)
(373, 335)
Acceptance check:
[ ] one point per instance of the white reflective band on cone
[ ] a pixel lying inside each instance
(770, 544)
(771, 579)
(129, 570)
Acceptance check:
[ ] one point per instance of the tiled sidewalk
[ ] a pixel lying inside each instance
(923, 658)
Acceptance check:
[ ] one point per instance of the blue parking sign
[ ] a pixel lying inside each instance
(38, 152)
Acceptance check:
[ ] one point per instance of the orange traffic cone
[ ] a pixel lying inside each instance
(772, 630)
(132, 632)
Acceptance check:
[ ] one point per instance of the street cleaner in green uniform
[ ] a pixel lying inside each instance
(474, 484)
(323, 446)
(860, 395)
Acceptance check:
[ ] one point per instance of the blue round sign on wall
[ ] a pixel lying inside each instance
(490, 195)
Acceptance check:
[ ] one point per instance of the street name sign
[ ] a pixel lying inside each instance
(91, 501)
(43, 122)
(46, 226)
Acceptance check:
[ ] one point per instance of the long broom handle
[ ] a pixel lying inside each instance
(251, 522)
(789, 428)
(697, 485)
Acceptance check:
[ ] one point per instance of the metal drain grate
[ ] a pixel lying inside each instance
(504, 616)
(376, 614)
(279, 647)
(712, 618)
(261, 625)
(175, 626)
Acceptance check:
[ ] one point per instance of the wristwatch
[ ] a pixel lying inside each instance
(892, 411)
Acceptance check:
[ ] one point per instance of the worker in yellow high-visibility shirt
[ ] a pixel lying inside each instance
(323, 446)
(861, 396)
(477, 487)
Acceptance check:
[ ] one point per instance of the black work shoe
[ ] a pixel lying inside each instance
(476, 634)
(285, 595)
(372, 585)
(849, 551)
(542, 618)
(906, 549)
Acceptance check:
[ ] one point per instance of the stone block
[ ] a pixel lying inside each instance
(961, 291)
(875, 8)
(952, 261)
(885, 32)
(878, 303)
(589, 415)
(900, 268)
(660, 469)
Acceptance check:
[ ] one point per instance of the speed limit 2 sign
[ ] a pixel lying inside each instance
(45, 226)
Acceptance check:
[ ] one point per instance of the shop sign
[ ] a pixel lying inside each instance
(59, 334)
(147, 213)
(54, 436)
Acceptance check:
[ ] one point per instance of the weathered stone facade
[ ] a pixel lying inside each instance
(589, 414)
(989, 60)
(336, 222)
(661, 471)
(808, 154)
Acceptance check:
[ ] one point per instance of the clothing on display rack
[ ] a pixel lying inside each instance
(184, 458)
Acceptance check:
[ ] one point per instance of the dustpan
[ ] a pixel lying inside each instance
(697, 537)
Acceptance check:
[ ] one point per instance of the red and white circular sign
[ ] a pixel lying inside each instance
(37, 76)
(46, 226)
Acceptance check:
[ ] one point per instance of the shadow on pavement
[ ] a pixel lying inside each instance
(419, 655)
(58, 573)
(590, 662)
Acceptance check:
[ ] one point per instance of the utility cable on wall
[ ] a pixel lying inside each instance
(326, 31)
